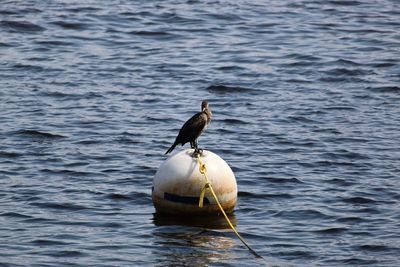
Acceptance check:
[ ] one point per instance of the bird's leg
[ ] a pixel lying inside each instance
(192, 145)
(196, 149)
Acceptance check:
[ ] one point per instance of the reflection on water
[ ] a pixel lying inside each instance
(208, 221)
(198, 240)
(180, 242)
(188, 246)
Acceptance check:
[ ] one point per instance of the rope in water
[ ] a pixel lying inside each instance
(203, 170)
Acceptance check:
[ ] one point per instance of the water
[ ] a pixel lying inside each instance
(305, 97)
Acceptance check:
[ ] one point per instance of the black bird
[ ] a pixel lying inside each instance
(192, 129)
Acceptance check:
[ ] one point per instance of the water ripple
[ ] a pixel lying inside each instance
(21, 26)
(304, 98)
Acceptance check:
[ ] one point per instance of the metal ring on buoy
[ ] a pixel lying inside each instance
(178, 183)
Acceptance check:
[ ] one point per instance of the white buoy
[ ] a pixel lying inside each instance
(178, 183)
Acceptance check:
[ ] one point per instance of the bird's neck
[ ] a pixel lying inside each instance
(208, 114)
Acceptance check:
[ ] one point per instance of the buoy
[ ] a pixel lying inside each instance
(178, 183)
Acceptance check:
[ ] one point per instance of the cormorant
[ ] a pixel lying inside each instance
(192, 129)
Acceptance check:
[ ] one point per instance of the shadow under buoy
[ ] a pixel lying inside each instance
(209, 221)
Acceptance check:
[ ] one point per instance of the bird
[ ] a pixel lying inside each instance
(193, 128)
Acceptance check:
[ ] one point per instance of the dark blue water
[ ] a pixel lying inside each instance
(305, 97)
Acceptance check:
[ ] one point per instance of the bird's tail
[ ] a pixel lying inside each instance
(171, 148)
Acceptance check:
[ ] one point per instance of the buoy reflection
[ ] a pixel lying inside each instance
(205, 221)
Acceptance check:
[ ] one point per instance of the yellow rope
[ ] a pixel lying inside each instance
(203, 170)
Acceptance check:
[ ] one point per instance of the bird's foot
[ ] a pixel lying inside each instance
(197, 152)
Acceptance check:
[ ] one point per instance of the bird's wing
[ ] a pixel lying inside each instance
(193, 127)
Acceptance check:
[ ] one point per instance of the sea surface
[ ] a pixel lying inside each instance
(305, 98)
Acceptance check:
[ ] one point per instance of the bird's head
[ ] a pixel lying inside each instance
(204, 105)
